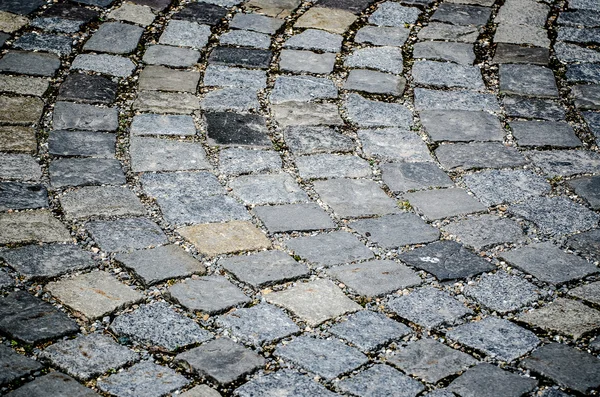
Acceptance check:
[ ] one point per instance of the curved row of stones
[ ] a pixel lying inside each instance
(284, 198)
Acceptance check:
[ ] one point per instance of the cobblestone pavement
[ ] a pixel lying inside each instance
(287, 198)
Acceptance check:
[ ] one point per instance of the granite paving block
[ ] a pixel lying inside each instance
(523, 13)
(18, 195)
(495, 187)
(511, 53)
(295, 113)
(293, 217)
(588, 18)
(24, 85)
(375, 82)
(145, 378)
(447, 75)
(246, 57)
(56, 24)
(572, 53)
(221, 360)
(405, 176)
(398, 230)
(325, 165)
(461, 14)
(502, 292)
(160, 78)
(21, 110)
(330, 249)
(157, 5)
(33, 226)
(159, 325)
(588, 292)
(256, 22)
(166, 102)
(486, 380)
(15, 366)
(482, 231)
(19, 166)
(385, 58)
(201, 390)
(115, 38)
(544, 133)
(264, 268)
(565, 365)
(100, 201)
(22, 7)
(331, 20)
(258, 324)
(31, 63)
(283, 381)
(461, 125)
(565, 162)
(79, 87)
(156, 154)
(302, 89)
(158, 264)
(74, 116)
(381, 380)
(136, 13)
(587, 243)
(82, 143)
(444, 31)
(88, 171)
(10, 22)
(88, 355)
(431, 360)
(382, 330)
(356, 6)
(428, 307)
(59, 45)
(522, 34)
(578, 35)
(208, 294)
(583, 72)
(273, 8)
(170, 56)
(527, 80)
(584, 4)
(95, 294)
(395, 144)
(97, 3)
(126, 234)
(548, 263)
(245, 38)
(238, 161)
(391, 13)
(311, 140)
(314, 39)
(382, 35)
(586, 96)
(225, 76)
(240, 100)
(426, 99)
(267, 189)
(225, 128)
(375, 278)
(306, 61)
(478, 155)
(185, 34)
(367, 113)
(162, 124)
(201, 12)
(460, 53)
(533, 108)
(55, 384)
(17, 139)
(444, 203)
(31, 320)
(112, 65)
(7, 279)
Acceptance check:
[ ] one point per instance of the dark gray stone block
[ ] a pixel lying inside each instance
(170, 56)
(23, 7)
(313, 39)
(461, 126)
(87, 88)
(163, 124)
(398, 230)
(405, 176)
(382, 35)
(82, 143)
(81, 172)
(587, 97)
(293, 217)
(511, 53)
(485, 230)
(444, 203)
(486, 380)
(381, 381)
(59, 45)
(268, 189)
(578, 35)
(208, 294)
(53, 384)
(502, 292)
(479, 155)
(310, 140)
(115, 38)
(446, 75)
(330, 249)
(587, 243)
(143, 379)
(74, 116)
(367, 113)
(588, 18)
(533, 108)
(583, 73)
(70, 11)
(247, 57)
(461, 53)
(460, 14)
(302, 89)
(565, 162)
(544, 133)
(375, 82)
(18, 195)
(426, 99)
(200, 12)
(224, 128)
(444, 31)
(126, 234)
(355, 6)
(283, 381)
(33, 63)
(15, 366)
(529, 80)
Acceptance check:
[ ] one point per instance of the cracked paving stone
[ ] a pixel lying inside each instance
(548, 263)
(430, 360)
(476, 155)
(426, 99)
(32, 63)
(486, 380)
(284, 381)
(259, 324)
(428, 307)
(485, 230)
(264, 268)
(327, 358)
(395, 231)
(24, 85)
(461, 14)
(166, 102)
(293, 217)
(143, 379)
(460, 53)
(17, 139)
(82, 143)
(544, 133)
(565, 162)
(566, 366)
(267, 189)
(461, 125)
(208, 294)
(115, 38)
(511, 53)
(88, 89)
(447, 260)
(201, 12)
(149, 264)
(587, 243)
(74, 116)
(394, 36)
(311, 140)
(160, 78)
(391, 13)
(246, 38)
(404, 176)
(495, 187)
(59, 45)
(528, 80)
(330, 249)
(306, 61)
(17, 196)
(239, 161)
(256, 22)
(100, 201)
(112, 65)
(225, 76)
(95, 294)
(447, 75)
(502, 292)
(533, 108)
(213, 239)
(89, 171)
(331, 20)
(322, 166)
(355, 197)
(302, 89)
(88, 355)
(588, 292)
(246, 57)
(15, 366)
(170, 56)
(565, 316)
(498, 338)
(368, 113)
(444, 31)
(47, 261)
(54, 384)
(155, 154)
(21, 110)
(382, 330)
(385, 59)
(306, 114)
(314, 302)
(394, 144)
(224, 128)
(375, 82)
(375, 278)
(379, 381)
(31, 320)
(136, 13)
(221, 360)
(126, 234)
(235, 99)
(32, 226)
(163, 124)
(185, 34)
(313, 39)
(159, 325)
(444, 203)
(556, 215)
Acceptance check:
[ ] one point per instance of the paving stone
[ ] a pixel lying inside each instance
(157, 5)
(313, 39)
(405, 176)
(533, 108)
(522, 34)
(382, 35)
(302, 89)
(527, 80)
(17, 196)
(38, 226)
(460, 14)
(10, 22)
(159, 325)
(391, 13)
(6, 279)
(246, 57)
(355, 6)
(293, 217)
(170, 56)
(21, 110)
(245, 38)
(381, 380)
(126, 234)
(495, 187)
(460, 53)
(225, 128)
(17, 139)
(155, 154)
(332, 166)
(22, 7)
(256, 22)
(443, 31)
(431, 360)
(19, 166)
(284, 381)
(136, 13)
(375, 278)
(115, 38)
(583, 72)
(386, 59)
(54, 24)
(306, 61)
(375, 82)
(565, 162)
(331, 20)
(88, 171)
(208, 294)
(445, 74)
(82, 143)
(221, 238)
(570, 53)
(565, 316)
(586, 96)
(586, 243)
(330, 249)
(59, 45)
(88, 89)
(511, 53)
(185, 34)
(88, 355)
(238, 161)
(397, 230)
(267, 189)
(264, 268)
(47, 261)
(145, 378)
(95, 294)
(259, 324)
(273, 8)
(426, 99)
(201, 12)
(112, 65)
(84, 117)
(221, 360)
(485, 230)
(584, 4)
(159, 78)
(440, 392)
(15, 366)
(486, 380)
(523, 13)
(548, 263)
(32, 63)
(306, 113)
(311, 140)
(394, 144)
(100, 201)
(225, 76)
(55, 384)
(544, 133)
(588, 18)
(97, 3)
(367, 113)
(444, 203)
(201, 390)
(461, 125)
(24, 85)
(149, 264)
(588, 292)
(477, 155)
(566, 366)
(166, 102)
(428, 307)
(162, 124)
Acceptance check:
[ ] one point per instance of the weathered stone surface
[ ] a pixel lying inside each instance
(24, 85)
(572, 53)
(375, 82)
(59, 45)
(208, 294)
(391, 13)
(330, 249)
(306, 113)
(586, 96)
(385, 59)
(293, 217)
(111, 65)
(485, 230)
(17, 139)
(588, 292)
(588, 18)
(460, 53)
(368, 113)
(88, 89)
(237, 99)
(533, 108)
(15, 366)
(90, 171)
(225, 128)
(302, 89)
(74, 116)
(446, 74)
(246, 38)
(237, 161)
(527, 80)
(160, 78)
(565, 162)
(311, 140)
(444, 203)
(460, 14)
(155, 154)
(461, 125)
(145, 379)
(544, 133)
(55, 24)
(55, 384)
(170, 56)
(587, 243)
(379, 381)
(246, 57)
(136, 13)
(331, 20)
(426, 99)
(523, 13)
(201, 390)
(332, 166)
(201, 12)
(166, 102)
(185, 34)
(444, 31)
(522, 34)
(19, 166)
(82, 143)
(405, 176)
(256, 22)
(313, 39)
(268, 189)
(306, 61)
(21, 110)
(102, 201)
(163, 124)
(477, 155)
(398, 230)
(10, 22)
(32, 63)
(273, 8)
(486, 380)
(502, 292)
(511, 53)
(17, 196)
(33, 226)
(126, 234)
(114, 37)
(583, 72)
(219, 238)
(284, 381)
(225, 76)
